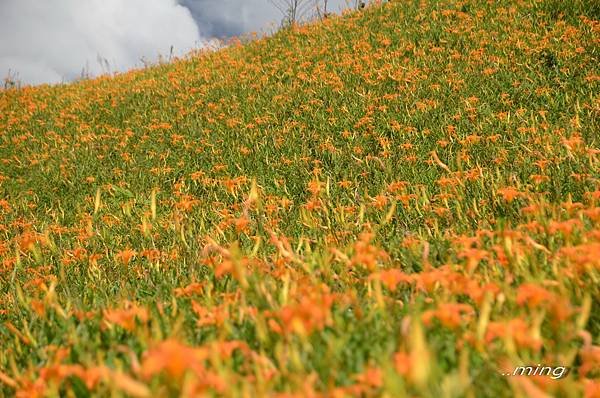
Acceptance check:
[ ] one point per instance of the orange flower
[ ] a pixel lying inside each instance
(380, 201)
(125, 256)
(29, 239)
(365, 254)
(509, 193)
(589, 354)
(344, 184)
(174, 358)
(533, 295)
(538, 178)
(215, 316)
(564, 227)
(473, 256)
(391, 278)
(311, 312)
(151, 254)
(241, 224)
(450, 315)
(402, 363)
(189, 290)
(314, 187)
(517, 329)
(371, 377)
(127, 316)
(197, 175)
(186, 203)
(592, 389)
(38, 306)
(396, 186)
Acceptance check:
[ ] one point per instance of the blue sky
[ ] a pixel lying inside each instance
(43, 41)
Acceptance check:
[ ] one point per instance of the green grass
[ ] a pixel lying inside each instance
(401, 201)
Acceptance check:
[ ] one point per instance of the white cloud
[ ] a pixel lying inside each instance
(49, 41)
(52, 41)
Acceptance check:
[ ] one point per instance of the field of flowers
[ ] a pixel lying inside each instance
(400, 201)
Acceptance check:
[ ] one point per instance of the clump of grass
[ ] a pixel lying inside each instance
(571, 9)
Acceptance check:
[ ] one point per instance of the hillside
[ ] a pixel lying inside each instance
(400, 201)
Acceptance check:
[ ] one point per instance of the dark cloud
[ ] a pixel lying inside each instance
(225, 18)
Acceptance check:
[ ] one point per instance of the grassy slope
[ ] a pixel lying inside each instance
(424, 212)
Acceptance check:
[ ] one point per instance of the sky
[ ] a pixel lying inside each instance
(54, 41)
